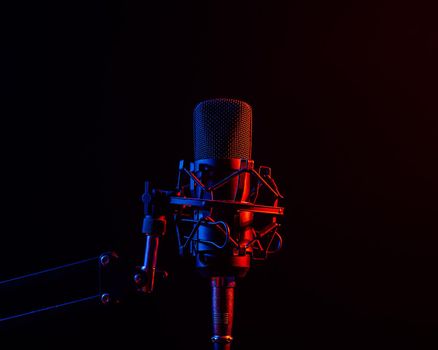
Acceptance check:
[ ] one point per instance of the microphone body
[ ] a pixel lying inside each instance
(211, 261)
(222, 130)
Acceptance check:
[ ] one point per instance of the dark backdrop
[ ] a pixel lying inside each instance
(98, 97)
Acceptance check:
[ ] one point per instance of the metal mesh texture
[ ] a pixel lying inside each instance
(222, 129)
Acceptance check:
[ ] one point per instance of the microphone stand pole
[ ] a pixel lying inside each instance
(222, 298)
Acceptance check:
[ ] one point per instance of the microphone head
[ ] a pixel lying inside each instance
(222, 129)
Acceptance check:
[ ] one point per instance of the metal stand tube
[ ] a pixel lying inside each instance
(222, 311)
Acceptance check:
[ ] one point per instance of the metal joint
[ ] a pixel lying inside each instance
(225, 339)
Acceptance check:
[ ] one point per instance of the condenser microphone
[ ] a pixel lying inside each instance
(222, 130)
(224, 209)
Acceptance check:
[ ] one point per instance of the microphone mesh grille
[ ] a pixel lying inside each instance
(222, 129)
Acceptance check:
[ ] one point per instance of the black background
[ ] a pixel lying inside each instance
(98, 97)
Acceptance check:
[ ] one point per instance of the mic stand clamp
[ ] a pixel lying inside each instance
(156, 207)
